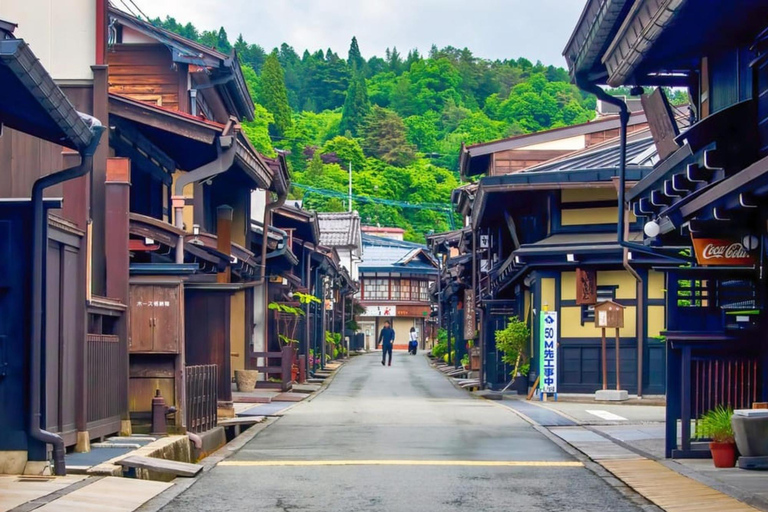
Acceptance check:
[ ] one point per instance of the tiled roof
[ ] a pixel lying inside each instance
(340, 229)
(386, 255)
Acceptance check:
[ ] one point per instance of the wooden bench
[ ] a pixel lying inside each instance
(161, 465)
(239, 423)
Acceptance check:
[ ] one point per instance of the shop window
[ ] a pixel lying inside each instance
(405, 289)
(424, 291)
(395, 285)
(604, 293)
(376, 289)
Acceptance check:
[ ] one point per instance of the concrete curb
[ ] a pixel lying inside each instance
(595, 467)
(210, 462)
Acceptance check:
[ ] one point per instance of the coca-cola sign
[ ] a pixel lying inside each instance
(714, 251)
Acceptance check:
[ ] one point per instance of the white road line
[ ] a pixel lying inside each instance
(606, 415)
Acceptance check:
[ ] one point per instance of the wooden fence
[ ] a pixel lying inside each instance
(107, 393)
(201, 382)
(275, 365)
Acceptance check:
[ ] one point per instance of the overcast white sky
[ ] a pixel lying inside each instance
(535, 29)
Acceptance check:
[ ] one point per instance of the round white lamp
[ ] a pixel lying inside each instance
(750, 242)
(651, 229)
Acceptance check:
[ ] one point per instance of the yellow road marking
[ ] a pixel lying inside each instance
(492, 463)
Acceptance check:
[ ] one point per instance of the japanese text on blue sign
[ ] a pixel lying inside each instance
(548, 366)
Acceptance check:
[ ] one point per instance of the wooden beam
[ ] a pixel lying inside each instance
(162, 120)
(161, 465)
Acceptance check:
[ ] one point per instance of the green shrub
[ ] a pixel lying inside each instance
(511, 341)
(716, 425)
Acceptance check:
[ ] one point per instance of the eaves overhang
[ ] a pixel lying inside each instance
(32, 103)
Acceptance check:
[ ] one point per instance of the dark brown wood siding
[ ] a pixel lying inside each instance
(62, 340)
(144, 73)
(207, 329)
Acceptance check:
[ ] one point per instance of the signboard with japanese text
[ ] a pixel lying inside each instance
(586, 286)
(469, 315)
(380, 311)
(548, 352)
(712, 251)
(413, 311)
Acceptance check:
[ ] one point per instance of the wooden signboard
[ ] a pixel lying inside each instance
(609, 314)
(661, 122)
(586, 286)
(413, 311)
(713, 251)
(469, 314)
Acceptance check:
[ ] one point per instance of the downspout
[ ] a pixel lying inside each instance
(38, 293)
(226, 149)
(268, 207)
(623, 224)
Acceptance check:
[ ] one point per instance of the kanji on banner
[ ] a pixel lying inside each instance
(548, 353)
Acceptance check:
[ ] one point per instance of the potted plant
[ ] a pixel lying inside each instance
(246, 380)
(465, 361)
(511, 341)
(288, 321)
(716, 426)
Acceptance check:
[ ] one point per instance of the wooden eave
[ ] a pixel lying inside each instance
(211, 241)
(184, 125)
(148, 227)
(252, 163)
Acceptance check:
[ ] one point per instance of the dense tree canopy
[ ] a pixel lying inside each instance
(400, 119)
(274, 97)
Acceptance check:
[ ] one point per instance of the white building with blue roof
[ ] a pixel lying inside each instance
(395, 277)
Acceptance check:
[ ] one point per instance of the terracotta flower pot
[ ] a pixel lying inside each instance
(723, 454)
(294, 372)
(246, 379)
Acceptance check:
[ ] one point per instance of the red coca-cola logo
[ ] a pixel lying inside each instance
(727, 251)
(714, 251)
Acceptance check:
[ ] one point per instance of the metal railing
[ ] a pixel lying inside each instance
(201, 382)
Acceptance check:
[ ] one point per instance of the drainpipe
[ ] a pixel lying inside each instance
(38, 293)
(226, 149)
(265, 239)
(623, 224)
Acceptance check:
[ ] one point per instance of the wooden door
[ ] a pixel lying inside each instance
(141, 332)
(166, 319)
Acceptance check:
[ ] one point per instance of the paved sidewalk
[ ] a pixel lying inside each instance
(628, 441)
(83, 493)
(76, 493)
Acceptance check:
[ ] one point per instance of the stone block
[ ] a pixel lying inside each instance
(611, 395)
(12, 462)
(37, 468)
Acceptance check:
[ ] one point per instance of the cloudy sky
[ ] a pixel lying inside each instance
(495, 29)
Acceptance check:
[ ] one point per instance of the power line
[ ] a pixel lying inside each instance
(139, 9)
(129, 9)
(377, 200)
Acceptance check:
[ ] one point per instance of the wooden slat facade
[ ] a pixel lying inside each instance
(145, 72)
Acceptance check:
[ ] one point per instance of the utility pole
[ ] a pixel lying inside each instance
(350, 186)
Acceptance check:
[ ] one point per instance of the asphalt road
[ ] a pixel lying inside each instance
(399, 438)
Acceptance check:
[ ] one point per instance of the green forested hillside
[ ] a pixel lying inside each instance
(399, 119)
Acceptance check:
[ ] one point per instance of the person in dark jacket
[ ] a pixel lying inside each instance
(387, 339)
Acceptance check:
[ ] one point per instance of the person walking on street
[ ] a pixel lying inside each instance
(387, 339)
(413, 343)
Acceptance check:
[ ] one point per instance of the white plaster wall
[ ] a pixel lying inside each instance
(61, 33)
(258, 201)
(258, 343)
(349, 262)
(571, 143)
(131, 36)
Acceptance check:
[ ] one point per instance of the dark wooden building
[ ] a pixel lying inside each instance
(706, 198)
